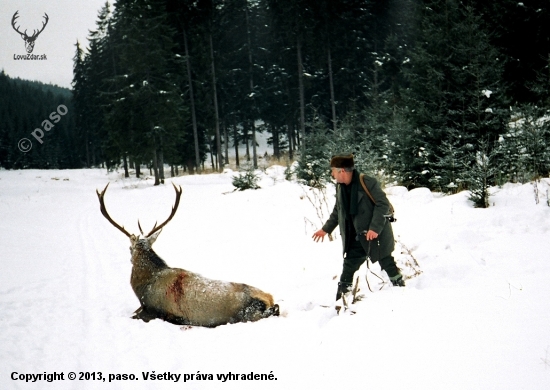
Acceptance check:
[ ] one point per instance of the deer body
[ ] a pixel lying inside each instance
(187, 298)
(184, 297)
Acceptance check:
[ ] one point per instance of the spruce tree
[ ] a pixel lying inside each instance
(481, 173)
(455, 85)
(522, 151)
(145, 117)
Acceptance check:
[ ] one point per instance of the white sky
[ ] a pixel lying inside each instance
(69, 21)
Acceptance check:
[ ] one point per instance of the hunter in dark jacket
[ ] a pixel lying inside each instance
(364, 226)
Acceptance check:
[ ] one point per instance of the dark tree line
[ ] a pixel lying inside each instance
(27, 108)
(417, 88)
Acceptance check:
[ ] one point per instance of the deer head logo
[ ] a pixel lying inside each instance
(29, 40)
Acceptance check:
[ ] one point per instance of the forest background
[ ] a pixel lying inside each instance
(445, 94)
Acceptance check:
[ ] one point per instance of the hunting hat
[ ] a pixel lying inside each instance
(344, 160)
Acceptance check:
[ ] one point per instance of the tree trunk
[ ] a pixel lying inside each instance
(192, 98)
(161, 164)
(332, 100)
(190, 165)
(275, 135)
(155, 167)
(289, 124)
(226, 139)
(236, 142)
(301, 88)
(216, 114)
(254, 151)
(290, 136)
(125, 163)
(245, 131)
(251, 84)
(213, 163)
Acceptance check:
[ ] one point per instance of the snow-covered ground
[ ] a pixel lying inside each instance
(478, 317)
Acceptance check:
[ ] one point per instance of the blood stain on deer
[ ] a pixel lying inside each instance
(176, 289)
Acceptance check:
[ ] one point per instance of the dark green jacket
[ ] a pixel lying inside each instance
(368, 217)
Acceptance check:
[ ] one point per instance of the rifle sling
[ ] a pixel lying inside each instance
(361, 180)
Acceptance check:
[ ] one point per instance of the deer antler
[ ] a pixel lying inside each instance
(174, 208)
(35, 32)
(106, 214)
(15, 16)
(140, 229)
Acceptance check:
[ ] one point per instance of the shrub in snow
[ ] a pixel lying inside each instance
(246, 180)
(451, 164)
(480, 175)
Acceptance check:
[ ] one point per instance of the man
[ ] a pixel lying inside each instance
(355, 213)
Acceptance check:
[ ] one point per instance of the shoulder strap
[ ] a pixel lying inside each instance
(362, 181)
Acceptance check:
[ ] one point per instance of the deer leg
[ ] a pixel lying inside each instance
(142, 314)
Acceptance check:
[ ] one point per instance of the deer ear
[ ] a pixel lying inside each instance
(153, 237)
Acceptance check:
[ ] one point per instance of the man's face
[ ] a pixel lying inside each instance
(341, 176)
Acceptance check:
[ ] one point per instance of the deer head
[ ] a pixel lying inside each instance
(29, 41)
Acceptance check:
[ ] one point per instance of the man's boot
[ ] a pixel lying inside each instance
(398, 280)
(343, 288)
(388, 265)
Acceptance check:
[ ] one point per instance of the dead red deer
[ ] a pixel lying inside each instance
(183, 297)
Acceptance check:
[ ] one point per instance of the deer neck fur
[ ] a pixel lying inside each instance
(145, 265)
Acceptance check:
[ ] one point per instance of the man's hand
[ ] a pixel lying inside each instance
(371, 235)
(319, 235)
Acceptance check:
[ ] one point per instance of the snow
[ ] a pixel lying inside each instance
(476, 318)
(487, 93)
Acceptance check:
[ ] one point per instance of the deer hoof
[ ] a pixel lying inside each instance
(273, 310)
